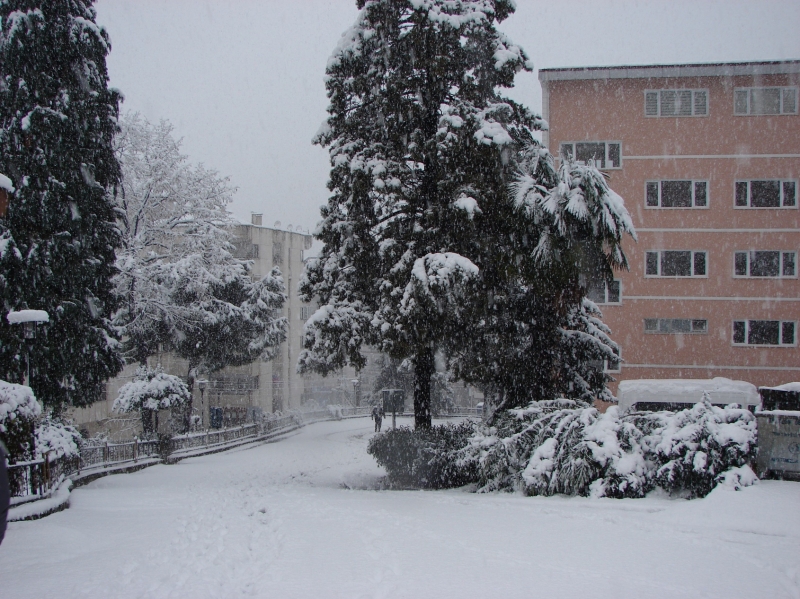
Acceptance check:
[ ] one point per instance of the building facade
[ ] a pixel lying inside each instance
(707, 159)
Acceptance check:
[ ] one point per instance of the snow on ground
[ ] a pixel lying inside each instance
(299, 518)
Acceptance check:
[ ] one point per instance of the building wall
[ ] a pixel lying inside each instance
(719, 148)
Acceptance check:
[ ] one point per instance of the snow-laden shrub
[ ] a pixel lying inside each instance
(570, 448)
(58, 438)
(428, 458)
(336, 411)
(18, 412)
(694, 448)
(151, 389)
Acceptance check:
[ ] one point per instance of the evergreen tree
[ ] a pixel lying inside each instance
(57, 121)
(420, 142)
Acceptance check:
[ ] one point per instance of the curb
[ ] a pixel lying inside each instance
(33, 510)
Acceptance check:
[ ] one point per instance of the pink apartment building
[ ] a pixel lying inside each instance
(707, 158)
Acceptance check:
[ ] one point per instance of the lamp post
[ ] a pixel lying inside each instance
(28, 319)
(201, 384)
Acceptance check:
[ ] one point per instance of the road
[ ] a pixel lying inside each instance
(303, 517)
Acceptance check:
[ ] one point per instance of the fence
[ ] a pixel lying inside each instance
(37, 478)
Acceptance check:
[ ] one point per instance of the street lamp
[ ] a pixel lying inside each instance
(28, 319)
(201, 384)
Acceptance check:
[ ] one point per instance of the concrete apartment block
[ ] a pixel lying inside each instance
(707, 158)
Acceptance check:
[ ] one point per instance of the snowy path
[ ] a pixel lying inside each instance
(296, 519)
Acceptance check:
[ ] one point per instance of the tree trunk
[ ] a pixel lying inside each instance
(424, 367)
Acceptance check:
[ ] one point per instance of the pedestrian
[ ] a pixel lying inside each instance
(5, 492)
(377, 416)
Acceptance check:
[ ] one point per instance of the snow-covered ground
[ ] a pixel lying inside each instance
(300, 518)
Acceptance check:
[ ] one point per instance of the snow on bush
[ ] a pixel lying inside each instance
(566, 447)
(16, 401)
(151, 389)
(58, 438)
(336, 411)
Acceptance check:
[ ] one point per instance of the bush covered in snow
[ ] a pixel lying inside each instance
(57, 437)
(18, 412)
(151, 389)
(566, 447)
(429, 458)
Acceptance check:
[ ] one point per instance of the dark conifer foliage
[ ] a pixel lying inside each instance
(420, 143)
(57, 120)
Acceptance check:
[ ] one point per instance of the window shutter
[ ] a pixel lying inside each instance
(652, 193)
(699, 264)
(651, 103)
(700, 191)
(614, 154)
(741, 193)
(652, 263)
(669, 101)
(738, 331)
(789, 100)
(685, 103)
(787, 333)
(740, 264)
(700, 103)
(789, 190)
(740, 101)
(788, 269)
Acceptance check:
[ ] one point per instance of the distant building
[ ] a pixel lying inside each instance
(707, 158)
(266, 386)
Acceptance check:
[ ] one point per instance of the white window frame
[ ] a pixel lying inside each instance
(659, 330)
(658, 93)
(749, 182)
(692, 207)
(747, 333)
(605, 295)
(660, 276)
(749, 254)
(764, 87)
(607, 142)
(305, 312)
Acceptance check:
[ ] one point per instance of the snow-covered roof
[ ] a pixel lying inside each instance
(719, 389)
(786, 387)
(16, 317)
(722, 69)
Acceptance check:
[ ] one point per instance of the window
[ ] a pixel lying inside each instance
(764, 332)
(605, 154)
(765, 263)
(605, 365)
(768, 193)
(305, 312)
(676, 102)
(765, 100)
(277, 254)
(675, 263)
(676, 194)
(605, 293)
(675, 326)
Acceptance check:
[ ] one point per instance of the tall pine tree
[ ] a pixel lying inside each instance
(57, 121)
(420, 143)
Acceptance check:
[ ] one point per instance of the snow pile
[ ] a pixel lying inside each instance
(5, 183)
(16, 402)
(566, 447)
(151, 389)
(58, 438)
(336, 411)
(20, 316)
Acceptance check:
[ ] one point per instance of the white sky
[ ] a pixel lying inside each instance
(242, 80)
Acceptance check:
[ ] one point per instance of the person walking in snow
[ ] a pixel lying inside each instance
(377, 416)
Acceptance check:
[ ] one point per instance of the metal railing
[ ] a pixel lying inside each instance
(35, 479)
